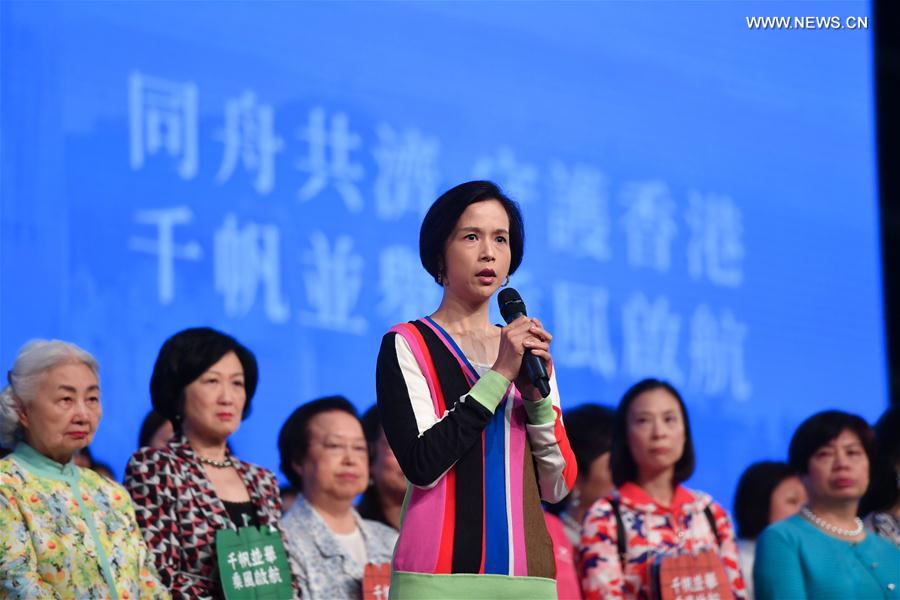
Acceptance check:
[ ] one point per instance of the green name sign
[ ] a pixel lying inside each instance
(253, 564)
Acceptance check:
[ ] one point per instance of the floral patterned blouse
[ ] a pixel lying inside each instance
(67, 532)
(650, 528)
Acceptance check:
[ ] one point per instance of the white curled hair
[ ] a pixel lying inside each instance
(31, 364)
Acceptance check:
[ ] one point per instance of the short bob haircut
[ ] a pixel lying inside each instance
(293, 439)
(753, 497)
(624, 469)
(443, 215)
(821, 428)
(589, 428)
(186, 356)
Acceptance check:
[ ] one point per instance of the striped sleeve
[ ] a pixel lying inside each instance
(426, 444)
(553, 455)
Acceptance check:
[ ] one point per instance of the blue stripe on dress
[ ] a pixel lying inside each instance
(472, 374)
(496, 530)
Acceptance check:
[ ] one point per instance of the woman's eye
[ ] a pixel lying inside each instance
(93, 399)
(501, 239)
(471, 237)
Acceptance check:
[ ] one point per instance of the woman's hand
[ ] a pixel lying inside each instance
(523, 334)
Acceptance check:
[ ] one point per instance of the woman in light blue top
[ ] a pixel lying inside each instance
(824, 552)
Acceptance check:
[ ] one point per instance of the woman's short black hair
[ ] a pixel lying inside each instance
(624, 469)
(821, 428)
(884, 493)
(754, 494)
(152, 422)
(186, 356)
(441, 219)
(293, 439)
(589, 429)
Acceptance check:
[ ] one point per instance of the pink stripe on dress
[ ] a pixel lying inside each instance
(420, 540)
(517, 435)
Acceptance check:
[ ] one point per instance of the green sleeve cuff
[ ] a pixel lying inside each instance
(540, 412)
(489, 389)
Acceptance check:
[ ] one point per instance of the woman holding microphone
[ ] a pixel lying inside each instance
(479, 444)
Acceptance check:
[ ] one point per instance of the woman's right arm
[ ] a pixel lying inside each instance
(426, 445)
(18, 562)
(777, 572)
(151, 479)
(598, 555)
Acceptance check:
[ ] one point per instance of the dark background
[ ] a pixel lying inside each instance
(887, 97)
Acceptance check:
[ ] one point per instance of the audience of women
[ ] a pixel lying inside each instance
(479, 443)
(325, 456)
(824, 551)
(652, 455)
(457, 455)
(767, 492)
(383, 499)
(65, 531)
(203, 382)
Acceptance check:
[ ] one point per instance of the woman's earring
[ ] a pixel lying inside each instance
(440, 278)
(506, 283)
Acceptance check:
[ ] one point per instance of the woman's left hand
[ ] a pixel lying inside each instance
(538, 343)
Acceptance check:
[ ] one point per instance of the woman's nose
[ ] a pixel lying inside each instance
(487, 250)
(81, 411)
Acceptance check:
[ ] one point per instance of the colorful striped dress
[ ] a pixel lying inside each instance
(479, 460)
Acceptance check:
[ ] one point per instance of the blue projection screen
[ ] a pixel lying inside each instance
(699, 196)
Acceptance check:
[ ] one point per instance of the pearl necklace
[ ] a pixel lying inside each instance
(219, 464)
(822, 524)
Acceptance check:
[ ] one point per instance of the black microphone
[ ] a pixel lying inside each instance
(511, 308)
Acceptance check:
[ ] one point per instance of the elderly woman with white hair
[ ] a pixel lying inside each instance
(65, 532)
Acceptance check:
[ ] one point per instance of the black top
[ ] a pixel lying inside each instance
(237, 510)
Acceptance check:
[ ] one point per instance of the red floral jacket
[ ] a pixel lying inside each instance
(650, 528)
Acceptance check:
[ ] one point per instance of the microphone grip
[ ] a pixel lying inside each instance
(537, 373)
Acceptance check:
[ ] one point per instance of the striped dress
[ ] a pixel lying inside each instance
(479, 460)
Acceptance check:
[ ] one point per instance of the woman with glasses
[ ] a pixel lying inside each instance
(325, 456)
